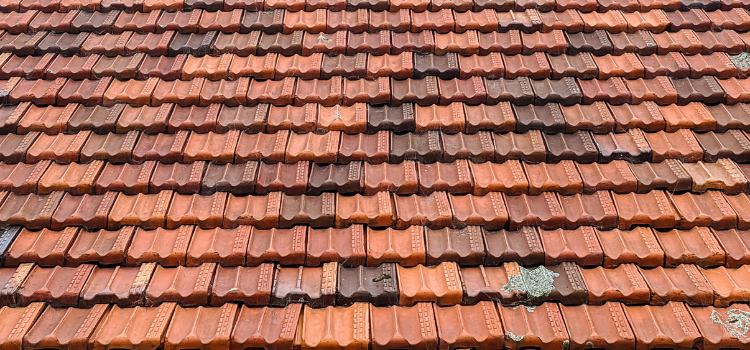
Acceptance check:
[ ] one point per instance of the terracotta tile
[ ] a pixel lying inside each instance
(173, 5)
(405, 247)
(561, 177)
(124, 67)
(395, 118)
(261, 67)
(134, 92)
(534, 66)
(376, 285)
(223, 21)
(75, 67)
(351, 67)
(717, 64)
(349, 119)
(723, 175)
(685, 41)
(126, 178)
(565, 91)
(490, 66)
(733, 243)
(444, 66)
(58, 22)
(450, 119)
(463, 246)
(261, 326)
(32, 211)
(433, 210)
(124, 286)
(732, 144)
(285, 44)
(440, 284)
(393, 332)
(192, 210)
(577, 245)
(543, 210)
(484, 20)
(65, 43)
(291, 179)
(40, 92)
(182, 92)
(89, 211)
(400, 178)
(581, 65)
(106, 44)
(695, 19)
(680, 145)
(79, 325)
(249, 285)
(523, 246)
(98, 118)
(272, 20)
(638, 246)
(45, 247)
(297, 119)
(640, 42)
(631, 146)
(315, 286)
(508, 43)
(466, 43)
(691, 116)
(708, 209)
(316, 211)
(145, 210)
(648, 320)
(399, 66)
(596, 117)
(728, 284)
(579, 146)
(603, 326)
(18, 323)
(470, 91)
(149, 43)
(613, 90)
(230, 118)
(147, 119)
(569, 286)
(659, 90)
(420, 43)
(378, 43)
(614, 176)
(211, 327)
(50, 119)
(716, 335)
(497, 118)
(193, 44)
(526, 20)
(259, 211)
(235, 178)
(21, 44)
(277, 92)
(13, 147)
(57, 286)
(475, 147)
(695, 246)
(372, 148)
(727, 41)
(652, 208)
(596, 43)
(164, 67)
(668, 175)
(141, 22)
(12, 280)
(100, 246)
(355, 20)
(486, 283)
(197, 119)
(375, 211)
(22, 178)
(705, 89)
(285, 246)
(623, 283)
(507, 177)
(528, 146)
(568, 20)
(654, 21)
(737, 202)
(475, 331)
(187, 285)
(541, 5)
(320, 325)
(320, 148)
(164, 147)
(30, 67)
(611, 21)
(342, 245)
(543, 328)
(115, 330)
(115, 148)
(218, 148)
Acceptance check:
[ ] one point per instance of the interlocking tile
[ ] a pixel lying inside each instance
(547, 117)
(124, 286)
(649, 320)
(226, 247)
(652, 208)
(260, 326)
(315, 286)
(80, 324)
(561, 177)
(166, 247)
(259, 211)
(615, 176)
(250, 285)
(316, 211)
(716, 334)
(440, 284)
(117, 329)
(541, 210)
(204, 210)
(623, 283)
(683, 283)
(544, 327)
(126, 178)
(731, 144)
(45, 247)
(32, 211)
(668, 175)
(681, 145)
(89, 211)
(188, 286)
(57, 286)
(102, 246)
(211, 326)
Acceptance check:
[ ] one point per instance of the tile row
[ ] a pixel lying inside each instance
(485, 325)
(457, 117)
(337, 91)
(372, 67)
(459, 177)
(375, 5)
(385, 285)
(332, 21)
(494, 210)
(358, 245)
(557, 42)
(334, 147)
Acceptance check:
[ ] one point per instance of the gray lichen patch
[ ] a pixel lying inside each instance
(737, 322)
(515, 338)
(535, 284)
(742, 61)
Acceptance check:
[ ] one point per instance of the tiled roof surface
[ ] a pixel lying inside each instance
(374, 174)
